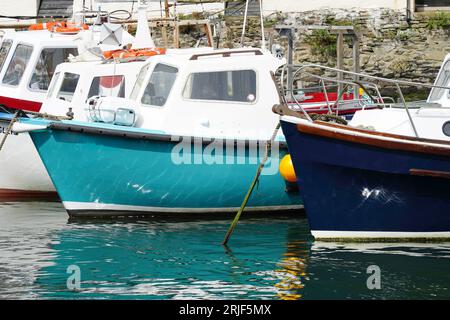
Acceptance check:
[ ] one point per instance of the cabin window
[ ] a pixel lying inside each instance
(442, 80)
(51, 89)
(4, 50)
(237, 86)
(46, 65)
(139, 82)
(446, 128)
(17, 65)
(68, 86)
(104, 86)
(158, 88)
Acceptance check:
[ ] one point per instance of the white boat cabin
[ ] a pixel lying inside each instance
(226, 93)
(28, 60)
(74, 83)
(27, 63)
(430, 119)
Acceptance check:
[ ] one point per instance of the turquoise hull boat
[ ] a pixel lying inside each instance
(101, 170)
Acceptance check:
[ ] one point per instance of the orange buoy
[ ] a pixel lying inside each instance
(287, 169)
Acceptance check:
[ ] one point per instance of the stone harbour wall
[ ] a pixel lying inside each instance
(390, 46)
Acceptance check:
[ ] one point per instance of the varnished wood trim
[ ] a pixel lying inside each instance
(429, 173)
(375, 139)
(383, 134)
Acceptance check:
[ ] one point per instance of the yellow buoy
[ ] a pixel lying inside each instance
(287, 169)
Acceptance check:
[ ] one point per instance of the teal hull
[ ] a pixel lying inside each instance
(104, 174)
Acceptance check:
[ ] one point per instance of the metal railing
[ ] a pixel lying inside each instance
(356, 83)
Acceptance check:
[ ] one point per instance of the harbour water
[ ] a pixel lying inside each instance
(267, 258)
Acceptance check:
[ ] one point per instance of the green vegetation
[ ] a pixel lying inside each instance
(322, 43)
(439, 20)
(193, 16)
(332, 21)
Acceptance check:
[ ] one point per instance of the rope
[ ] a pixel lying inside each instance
(263, 162)
(9, 128)
(252, 186)
(328, 118)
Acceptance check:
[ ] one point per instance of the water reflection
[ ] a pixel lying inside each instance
(267, 258)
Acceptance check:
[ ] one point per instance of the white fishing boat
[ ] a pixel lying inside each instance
(187, 141)
(69, 91)
(100, 70)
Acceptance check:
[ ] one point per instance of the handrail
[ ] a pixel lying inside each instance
(363, 85)
(224, 54)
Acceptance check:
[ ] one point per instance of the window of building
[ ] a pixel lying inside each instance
(17, 65)
(46, 65)
(424, 5)
(68, 86)
(158, 88)
(4, 50)
(239, 86)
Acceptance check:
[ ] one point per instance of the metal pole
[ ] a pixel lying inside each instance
(263, 38)
(290, 55)
(245, 23)
(402, 98)
(356, 67)
(340, 57)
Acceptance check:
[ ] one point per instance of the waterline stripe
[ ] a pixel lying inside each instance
(94, 206)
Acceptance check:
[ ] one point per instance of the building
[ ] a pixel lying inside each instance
(56, 8)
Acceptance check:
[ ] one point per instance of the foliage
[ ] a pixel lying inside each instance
(322, 43)
(439, 20)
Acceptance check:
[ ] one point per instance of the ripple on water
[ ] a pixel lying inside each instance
(268, 258)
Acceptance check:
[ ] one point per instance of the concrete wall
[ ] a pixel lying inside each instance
(27, 8)
(19, 7)
(153, 10)
(302, 5)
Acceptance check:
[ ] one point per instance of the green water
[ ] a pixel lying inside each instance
(267, 258)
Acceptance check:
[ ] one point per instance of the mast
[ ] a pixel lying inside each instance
(143, 38)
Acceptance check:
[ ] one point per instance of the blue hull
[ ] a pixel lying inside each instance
(357, 191)
(101, 174)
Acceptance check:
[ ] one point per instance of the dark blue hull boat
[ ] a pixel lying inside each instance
(359, 184)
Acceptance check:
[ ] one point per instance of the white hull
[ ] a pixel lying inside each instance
(21, 168)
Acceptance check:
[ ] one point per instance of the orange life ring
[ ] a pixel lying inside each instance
(46, 25)
(59, 26)
(133, 53)
(70, 29)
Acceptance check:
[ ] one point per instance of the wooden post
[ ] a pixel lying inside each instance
(209, 35)
(164, 28)
(176, 34)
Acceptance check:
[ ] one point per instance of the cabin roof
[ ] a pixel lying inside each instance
(214, 58)
(40, 37)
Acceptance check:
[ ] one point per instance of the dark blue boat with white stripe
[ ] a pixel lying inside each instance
(361, 184)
